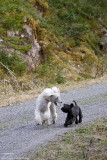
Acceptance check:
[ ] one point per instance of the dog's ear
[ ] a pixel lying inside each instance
(71, 105)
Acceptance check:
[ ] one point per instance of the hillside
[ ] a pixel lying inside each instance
(51, 41)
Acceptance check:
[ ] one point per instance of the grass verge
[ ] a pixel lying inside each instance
(11, 98)
(85, 143)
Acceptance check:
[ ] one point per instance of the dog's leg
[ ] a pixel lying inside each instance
(46, 118)
(73, 119)
(76, 122)
(37, 117)
(67, 120)
(80, 115)
(53, 112)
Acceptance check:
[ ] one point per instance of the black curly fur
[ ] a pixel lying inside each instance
(73, 111)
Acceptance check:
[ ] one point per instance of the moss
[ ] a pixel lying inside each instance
(32, 1)
(42, 4)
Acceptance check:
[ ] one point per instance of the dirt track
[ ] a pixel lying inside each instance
(19, 134)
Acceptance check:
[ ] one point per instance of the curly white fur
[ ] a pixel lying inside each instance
(46, 106)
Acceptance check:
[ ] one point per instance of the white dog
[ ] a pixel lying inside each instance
(46, 104)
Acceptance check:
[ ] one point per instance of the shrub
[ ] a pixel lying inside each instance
(60, 78)
(14, 62)
(78, 30)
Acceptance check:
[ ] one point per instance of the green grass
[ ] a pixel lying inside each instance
(88, 143)
(75, 18)
(60, 30)
(13, 12)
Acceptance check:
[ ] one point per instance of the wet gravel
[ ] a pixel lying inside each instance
(20, 136)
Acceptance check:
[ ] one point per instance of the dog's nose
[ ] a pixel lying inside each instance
(59, 102)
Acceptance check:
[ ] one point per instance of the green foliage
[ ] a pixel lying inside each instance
(14, 62)
(51, 73)
(14, 39)
(60, 78)
(23, 49)
(13, 12)
(78, 30)
(44, 70)
(74, 18)
(11, 22)
(63, 25)
(2, 30)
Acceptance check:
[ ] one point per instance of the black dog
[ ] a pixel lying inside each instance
(73, 111)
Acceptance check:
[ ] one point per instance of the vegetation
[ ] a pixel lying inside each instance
(88, 142)
(14, 62)
(68, 32)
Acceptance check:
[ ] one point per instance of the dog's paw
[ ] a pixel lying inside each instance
(54, 121)
(38, 123)
(80, 121)
(76, 122)
(65, 125)
(46, 123)
(43, 122)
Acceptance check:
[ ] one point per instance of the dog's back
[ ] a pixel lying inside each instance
(76, 110)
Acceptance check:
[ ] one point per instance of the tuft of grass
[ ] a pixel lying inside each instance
(3, 127)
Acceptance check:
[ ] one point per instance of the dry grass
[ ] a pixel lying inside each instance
(85, 143)
(10, 98)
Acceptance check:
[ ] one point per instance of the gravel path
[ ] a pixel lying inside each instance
(20, 135)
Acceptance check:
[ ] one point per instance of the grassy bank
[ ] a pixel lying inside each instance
(9, 97)
(85, 143)
(68, 34)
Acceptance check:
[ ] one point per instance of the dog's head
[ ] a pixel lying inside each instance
(54, 98)
(67, 108)
(56, 95)
(52, 95)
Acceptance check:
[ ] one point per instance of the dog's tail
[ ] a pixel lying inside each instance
(75, 102)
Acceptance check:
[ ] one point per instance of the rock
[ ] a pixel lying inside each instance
(32, 56)
(34, 53)
(31, 65)
(10, 33)
(17, 33)
(1, 40)
(38, 11)
(103, 43)
(28, 29)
